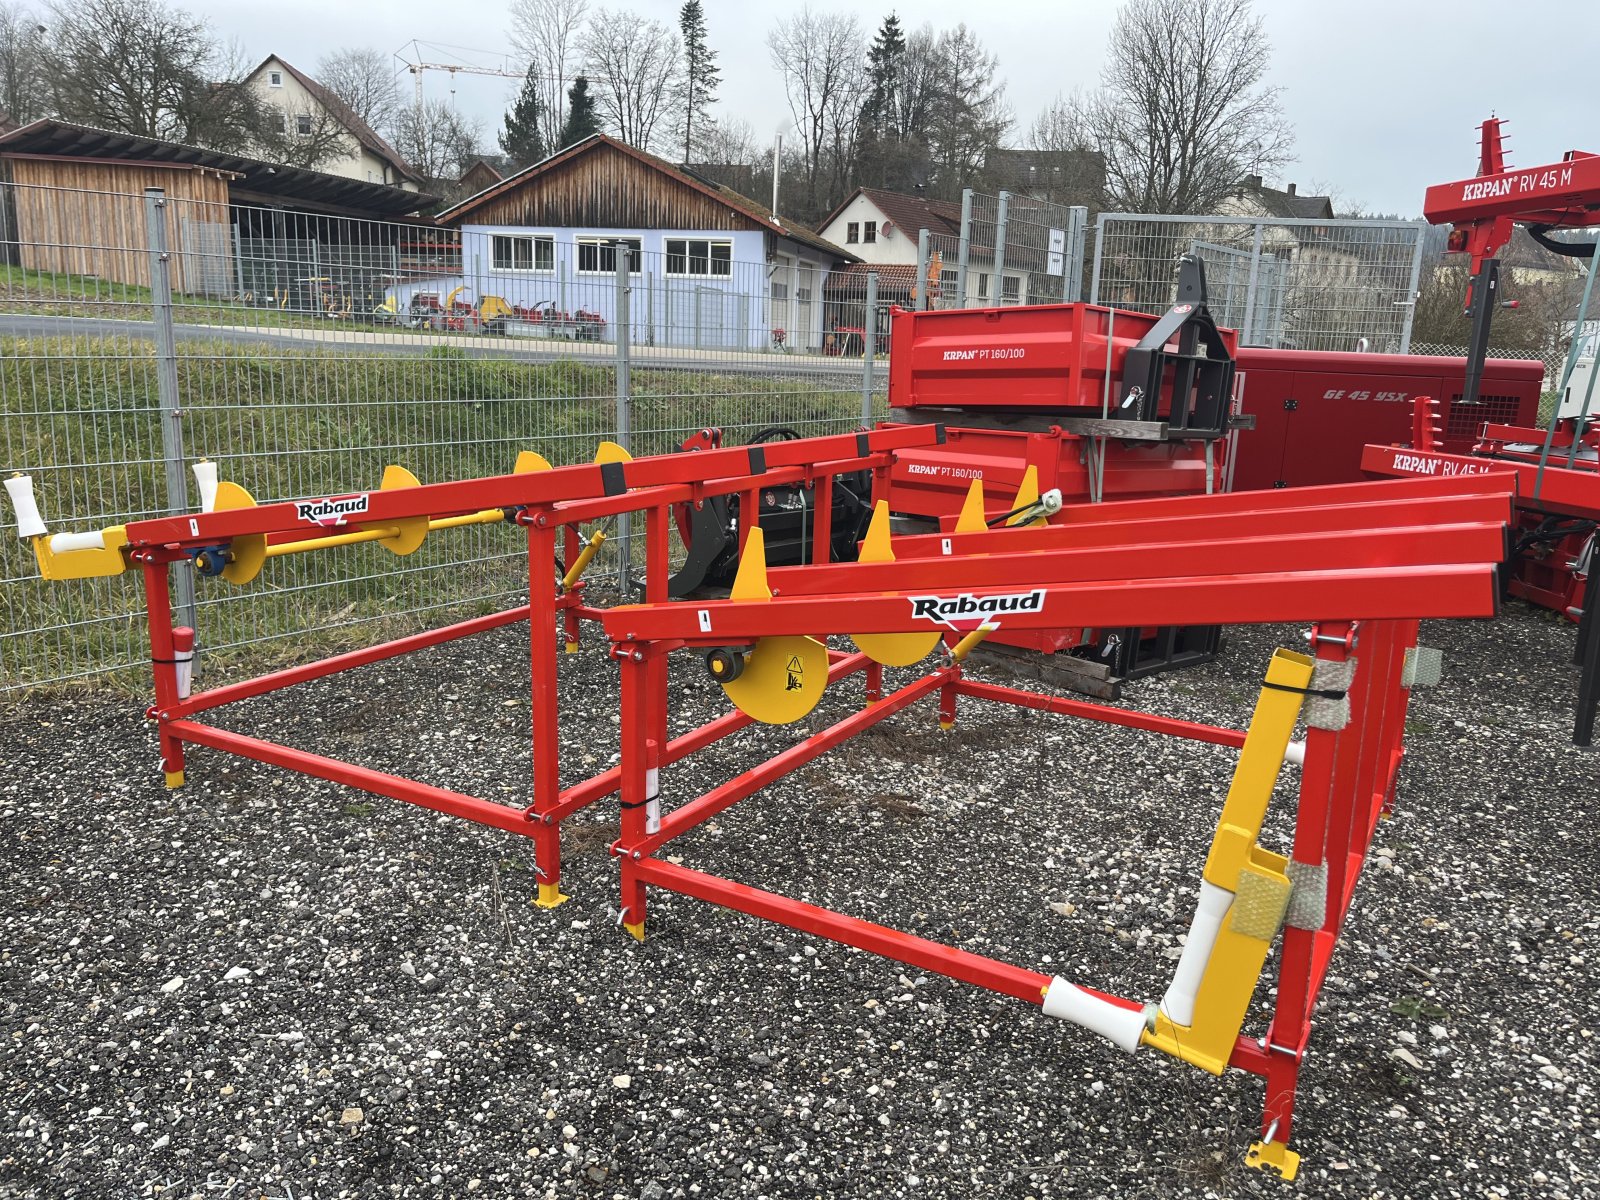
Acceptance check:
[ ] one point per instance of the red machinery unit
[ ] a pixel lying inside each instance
(1315, 410)
(1094, 402)
(1044, 356)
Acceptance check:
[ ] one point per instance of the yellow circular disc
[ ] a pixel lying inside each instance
(248, 552)
(783, 679)
(896, 649)
(412, 532)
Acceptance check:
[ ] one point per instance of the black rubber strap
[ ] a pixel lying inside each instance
(612, 480)
(938, 435)
(1325, 693)
(758, 460)
(863, 445)
(636, 803)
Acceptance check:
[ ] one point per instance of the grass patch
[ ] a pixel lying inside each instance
(82, 416)
(359, 808)
(1417, 1008)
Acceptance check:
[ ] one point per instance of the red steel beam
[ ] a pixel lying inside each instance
(1575, 493)
(379, 783)
(1458, 590)
(925, 955)
(704, 807)
(608, 781)
(999, 694)
(261, 685)
(1344, 550)
(727, 470)
(1283, 520)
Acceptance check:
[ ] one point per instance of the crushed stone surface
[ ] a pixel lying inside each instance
(265, 985)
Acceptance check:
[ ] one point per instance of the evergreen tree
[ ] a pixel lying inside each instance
(520, 139)
(700, 74)
(582, 120)
(885, 59)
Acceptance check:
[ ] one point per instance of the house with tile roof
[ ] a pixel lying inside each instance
(710, 268)
(882, 227)
(307, 109)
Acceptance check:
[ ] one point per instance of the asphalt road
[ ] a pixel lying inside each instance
(371, 341)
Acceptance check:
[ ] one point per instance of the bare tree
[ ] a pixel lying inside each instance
(142, 67)
(636, 68)
(546, 34)
(437, 141)
(970, 114)
(22, 90)
(820, 57)
(1184, 110)
(364, 79)
(309, 137)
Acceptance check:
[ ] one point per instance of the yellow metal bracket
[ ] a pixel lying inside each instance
(86, 562)
(1275, 1157)
(890, 649)
(1253, 880)
(551, 896)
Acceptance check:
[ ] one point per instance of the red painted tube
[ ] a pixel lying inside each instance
(456, 804)
(604, 784)
(260, 686)
(683, 819)
(1214, 734)
(921, 953)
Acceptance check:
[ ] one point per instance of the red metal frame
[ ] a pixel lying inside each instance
(1356, 550)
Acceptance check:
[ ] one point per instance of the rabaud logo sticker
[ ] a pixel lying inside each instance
(966, 611)
(332, 511)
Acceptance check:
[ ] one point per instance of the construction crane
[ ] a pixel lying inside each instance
(420, 65)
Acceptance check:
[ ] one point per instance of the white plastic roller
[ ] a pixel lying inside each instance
(1050, 502)
(65, 543)
(29, 523)
(1069, 1002)
(205, 478)
(1178, 1003)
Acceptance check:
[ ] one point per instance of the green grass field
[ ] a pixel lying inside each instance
(82, 417)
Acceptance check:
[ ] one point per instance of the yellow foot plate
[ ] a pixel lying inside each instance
(550, 896)
(1275, 1157)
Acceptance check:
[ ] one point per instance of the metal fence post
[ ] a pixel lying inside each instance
(624, 407)
(1072, 271)
(921, 293)
(155, 222)
(1412, 287)
(966, 248)
(998, 295)
(1099, 253)
(1250, 288)
(869, 348)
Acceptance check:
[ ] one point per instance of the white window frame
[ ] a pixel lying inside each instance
(869, 232)
(1011, 289)
(852, 233)
(603, 244)
(689, 258)
(302, 124)
(274, 78)
(534, 242)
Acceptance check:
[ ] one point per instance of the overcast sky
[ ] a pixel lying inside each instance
(1384, 95)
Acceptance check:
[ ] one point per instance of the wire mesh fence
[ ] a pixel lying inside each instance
(1292, 283)
(1009, 249)
(304, 354)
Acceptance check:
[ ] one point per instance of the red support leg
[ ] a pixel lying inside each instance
(874, 682)
(158, 604)
(542, 628)
(571, 547)
(658, 528)
(1290, 1028)
(640, 808)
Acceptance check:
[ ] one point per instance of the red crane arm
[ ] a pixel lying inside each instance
(1483, 208)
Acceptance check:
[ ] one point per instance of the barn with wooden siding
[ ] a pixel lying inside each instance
(75, 205)
(708, 267)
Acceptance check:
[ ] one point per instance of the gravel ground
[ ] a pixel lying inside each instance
(264, 985)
